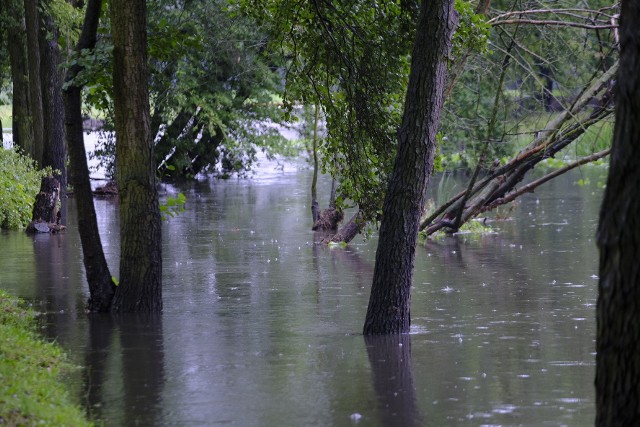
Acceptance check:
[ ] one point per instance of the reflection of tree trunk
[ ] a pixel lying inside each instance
(390, 360)
(142, 346)
(97, 353)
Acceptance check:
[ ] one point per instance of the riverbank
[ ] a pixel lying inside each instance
(31, 392)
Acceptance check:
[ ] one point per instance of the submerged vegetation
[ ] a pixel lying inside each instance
(31, 392)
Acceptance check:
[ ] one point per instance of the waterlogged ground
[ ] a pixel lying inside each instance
(261, 326)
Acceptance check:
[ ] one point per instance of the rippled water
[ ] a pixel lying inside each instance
(261, 327)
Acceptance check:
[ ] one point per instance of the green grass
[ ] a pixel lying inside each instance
(5, 115)
(31, 370)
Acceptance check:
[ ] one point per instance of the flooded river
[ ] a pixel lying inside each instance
(262, 328)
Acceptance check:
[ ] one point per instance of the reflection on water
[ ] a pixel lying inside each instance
(261, 326)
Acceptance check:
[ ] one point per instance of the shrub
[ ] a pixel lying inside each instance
(19, 185)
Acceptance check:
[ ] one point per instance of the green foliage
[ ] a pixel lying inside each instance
(68, 20)
(352, 59)
(19, 185)
(31, 392)
(473, 31)
(173, 206)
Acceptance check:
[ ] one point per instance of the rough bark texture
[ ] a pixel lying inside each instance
(45, 217)
(101, 287)
(328, 220)
(35, 87)
(618, 315)
(140, 286)
(17, 47)
(55, 154)
(388, 310)
(349, 230)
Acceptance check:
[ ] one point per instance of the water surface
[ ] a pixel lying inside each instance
(261, 327)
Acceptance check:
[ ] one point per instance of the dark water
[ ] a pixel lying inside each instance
(261, 327)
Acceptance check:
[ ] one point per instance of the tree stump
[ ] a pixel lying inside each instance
(46, 216)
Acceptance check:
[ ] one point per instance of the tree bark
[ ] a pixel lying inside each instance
(140, 286)
(618, 238)
(17, 47)
(389, 304)
(32, 20)
(101, 286)
(55, 154)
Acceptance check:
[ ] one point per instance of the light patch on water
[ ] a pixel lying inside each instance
(447, 289)
(504, 409)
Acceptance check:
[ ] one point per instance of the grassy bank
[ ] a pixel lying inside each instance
(31, 391)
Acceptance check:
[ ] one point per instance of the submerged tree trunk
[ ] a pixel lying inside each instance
(101, 286)
(389, 303)
(618, 316)
(140, 288)
(45, 217)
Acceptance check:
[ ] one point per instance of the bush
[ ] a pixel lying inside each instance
(19, 185)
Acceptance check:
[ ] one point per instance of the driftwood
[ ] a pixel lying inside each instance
(45, 217)
(498, 186)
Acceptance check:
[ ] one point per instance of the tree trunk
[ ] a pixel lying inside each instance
(45, 217)
(315, 207)
(618, 315)
(17, 47)
(140, 286)
(389, 303)
(101, 287)
(32, 20)
(55, 154)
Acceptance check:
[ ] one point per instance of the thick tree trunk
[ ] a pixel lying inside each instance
(45, 217)
(140, 286)
(32, 20)
(101, 287)
(55, 154)
(389, 304)
(17, 47)
(618, 314)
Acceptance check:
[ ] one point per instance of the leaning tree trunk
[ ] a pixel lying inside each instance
(499, 185)
(618, 315)
(389, 303)
(101, 286)
(140, 288)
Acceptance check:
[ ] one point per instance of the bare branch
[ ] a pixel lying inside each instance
(553, 22)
